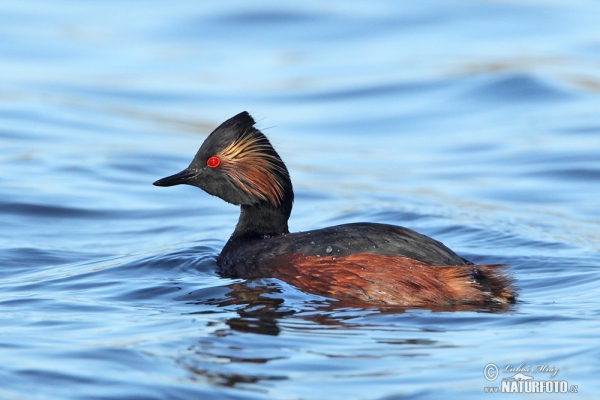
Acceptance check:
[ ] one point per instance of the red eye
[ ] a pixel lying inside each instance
(213, 162)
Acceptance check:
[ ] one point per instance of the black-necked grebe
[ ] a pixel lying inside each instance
(359, 262)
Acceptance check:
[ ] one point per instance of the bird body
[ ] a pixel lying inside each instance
(364, 263)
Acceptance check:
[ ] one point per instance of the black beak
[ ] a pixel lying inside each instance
(177, 179)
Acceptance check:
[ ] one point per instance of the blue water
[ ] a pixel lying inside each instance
(475, 122)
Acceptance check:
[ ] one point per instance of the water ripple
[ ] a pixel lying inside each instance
(473, 122)
(518, 88)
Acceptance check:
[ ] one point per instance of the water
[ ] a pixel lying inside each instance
(473, 122)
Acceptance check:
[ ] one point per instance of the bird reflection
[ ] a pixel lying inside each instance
(260, 305)
(261, 308)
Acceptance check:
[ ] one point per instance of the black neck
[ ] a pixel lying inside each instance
(262, 220)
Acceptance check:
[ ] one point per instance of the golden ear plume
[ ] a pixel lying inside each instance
(250, 164)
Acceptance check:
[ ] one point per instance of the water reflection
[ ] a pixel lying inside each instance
(260, 305)
(270, 328)
(212, 377)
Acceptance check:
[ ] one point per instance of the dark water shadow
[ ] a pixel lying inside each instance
(273, 320)
(261, 305)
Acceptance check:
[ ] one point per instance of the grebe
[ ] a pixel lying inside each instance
(360, 262)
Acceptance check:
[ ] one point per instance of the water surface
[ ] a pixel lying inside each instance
(473, 122)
